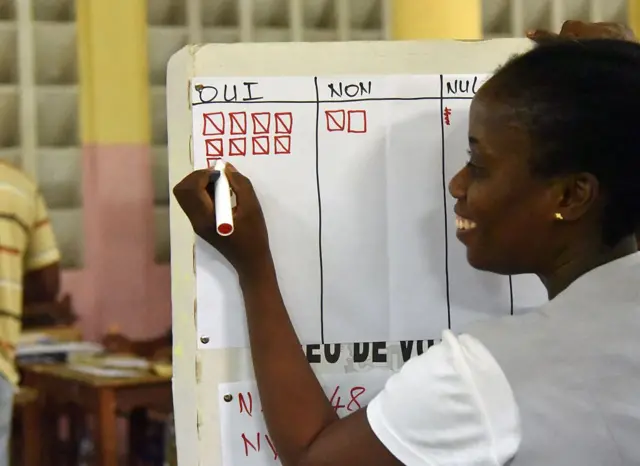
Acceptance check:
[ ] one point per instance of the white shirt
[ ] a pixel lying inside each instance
(572, 366)
(450, 406)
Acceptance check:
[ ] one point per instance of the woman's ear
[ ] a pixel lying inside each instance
(577, 193)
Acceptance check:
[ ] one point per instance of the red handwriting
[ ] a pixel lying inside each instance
(344, 400)
(243, 404)
(273, 449)
(355, 393)
(352, 405)
(335, 400)
(257, 446)
(447, 115)
(351, 401)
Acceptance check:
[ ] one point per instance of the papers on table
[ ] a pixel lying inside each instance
(45, 348)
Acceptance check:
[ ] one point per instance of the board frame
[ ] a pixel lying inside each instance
(198, 372)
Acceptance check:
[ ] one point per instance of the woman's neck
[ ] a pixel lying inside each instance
(580, 259)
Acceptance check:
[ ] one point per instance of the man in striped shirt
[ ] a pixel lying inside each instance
(29, 272)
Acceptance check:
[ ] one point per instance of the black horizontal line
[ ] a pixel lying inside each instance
(368, 99)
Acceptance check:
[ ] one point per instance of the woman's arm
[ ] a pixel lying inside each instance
(300, 418)
(303, 425)
(294, 404)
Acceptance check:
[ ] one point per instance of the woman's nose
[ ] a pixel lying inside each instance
(457, 185)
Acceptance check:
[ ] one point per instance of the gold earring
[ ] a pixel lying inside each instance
(559, 216)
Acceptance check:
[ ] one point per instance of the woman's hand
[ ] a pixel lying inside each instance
(247, 248)
(581, 30)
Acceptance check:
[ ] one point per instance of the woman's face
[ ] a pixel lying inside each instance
(504, 214)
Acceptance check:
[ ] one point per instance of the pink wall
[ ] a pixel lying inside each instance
(120, 284)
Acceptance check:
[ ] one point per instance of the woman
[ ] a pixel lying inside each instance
(552, 187)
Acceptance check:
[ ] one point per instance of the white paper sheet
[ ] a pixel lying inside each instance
(245, 439)
(352, 174)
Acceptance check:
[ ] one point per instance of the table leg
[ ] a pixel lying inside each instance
(138, 424)
(50, 438)
(31, 435)
(106, 440)
(77, 429)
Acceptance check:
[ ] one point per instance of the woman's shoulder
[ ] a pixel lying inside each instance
(453, 394)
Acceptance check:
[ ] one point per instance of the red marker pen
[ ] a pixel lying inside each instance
(222, 201)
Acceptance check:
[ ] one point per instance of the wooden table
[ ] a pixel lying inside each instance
(100, 397)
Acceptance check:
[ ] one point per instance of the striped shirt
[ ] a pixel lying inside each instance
(27, 243)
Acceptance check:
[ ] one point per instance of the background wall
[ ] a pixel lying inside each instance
(82, 109)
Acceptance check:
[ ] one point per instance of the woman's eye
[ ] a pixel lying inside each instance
(474, 169)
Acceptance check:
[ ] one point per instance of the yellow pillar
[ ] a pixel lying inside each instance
(633, 12)
(114, 89)
(436, 19)
(117, 188)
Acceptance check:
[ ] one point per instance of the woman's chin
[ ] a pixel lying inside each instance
(476, 262)
(478, 258)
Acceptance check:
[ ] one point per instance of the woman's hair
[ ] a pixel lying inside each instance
(580, 102)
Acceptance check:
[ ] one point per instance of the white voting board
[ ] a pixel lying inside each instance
(350, 147)
(351, 172)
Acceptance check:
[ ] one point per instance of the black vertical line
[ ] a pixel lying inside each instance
(444, 200)
(511, 292)
(315, 83)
